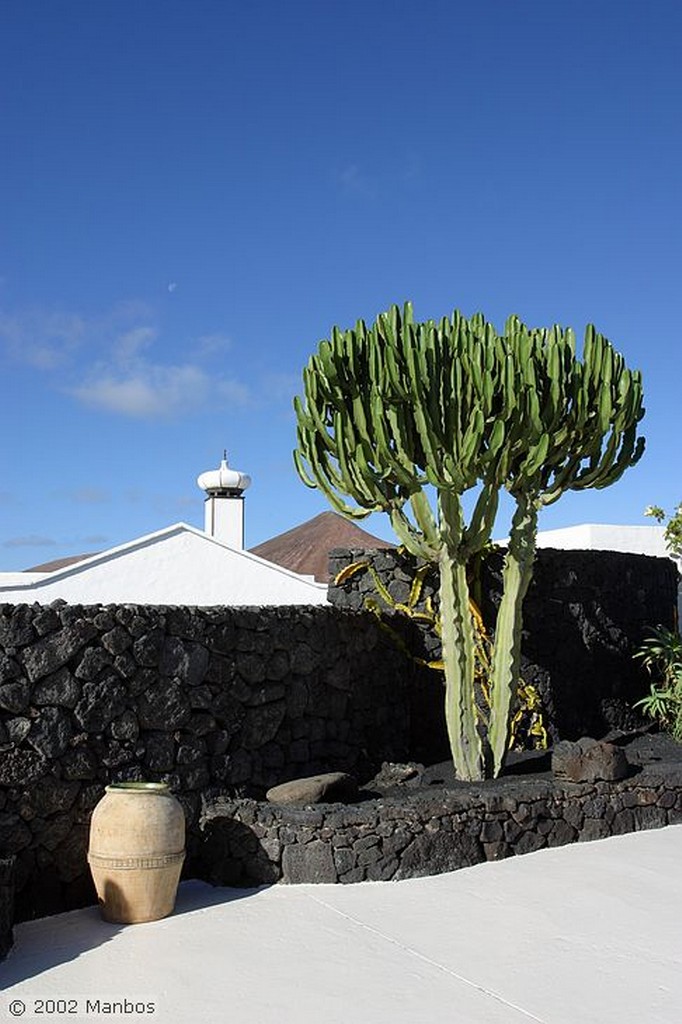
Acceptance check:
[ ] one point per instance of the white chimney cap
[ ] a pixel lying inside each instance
(224, 481)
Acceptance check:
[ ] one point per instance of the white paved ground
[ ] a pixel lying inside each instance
(585, 934)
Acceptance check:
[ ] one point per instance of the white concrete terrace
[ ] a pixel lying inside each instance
(584, 934)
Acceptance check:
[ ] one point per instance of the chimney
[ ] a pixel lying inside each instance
(224, 505)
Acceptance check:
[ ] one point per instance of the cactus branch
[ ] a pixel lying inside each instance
(459, 665)
(516, 576)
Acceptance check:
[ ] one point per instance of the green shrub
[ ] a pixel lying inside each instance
(661, 655)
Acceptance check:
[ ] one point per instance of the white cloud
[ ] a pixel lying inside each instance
(131, 383)
(154, 391)
(149, 392)
(108, 362)
(45, 341)
(211, 344)
(49, 341)
(129, 344)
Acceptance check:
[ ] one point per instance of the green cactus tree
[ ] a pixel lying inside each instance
(406, 417)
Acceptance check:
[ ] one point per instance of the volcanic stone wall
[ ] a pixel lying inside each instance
(234, 698)
(585, 614)
(251, 843)
(238, 700)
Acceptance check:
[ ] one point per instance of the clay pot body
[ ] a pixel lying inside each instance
(136, 852)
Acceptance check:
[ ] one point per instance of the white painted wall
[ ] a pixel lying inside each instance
(637, 540)
(176, 566)
(224, 520)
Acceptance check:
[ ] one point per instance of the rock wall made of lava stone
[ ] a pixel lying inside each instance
(234, 698)
(584, 615)
(249, 843)
(238, 700)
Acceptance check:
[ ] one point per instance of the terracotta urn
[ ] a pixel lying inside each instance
(136, 851)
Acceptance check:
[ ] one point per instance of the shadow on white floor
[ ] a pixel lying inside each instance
(584, 934)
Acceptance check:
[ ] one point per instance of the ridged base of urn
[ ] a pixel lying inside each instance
(134, 894)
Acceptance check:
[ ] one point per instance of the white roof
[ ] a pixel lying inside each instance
(179, 565)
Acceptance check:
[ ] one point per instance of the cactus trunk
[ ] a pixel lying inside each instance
(459, 666)
(517, 573)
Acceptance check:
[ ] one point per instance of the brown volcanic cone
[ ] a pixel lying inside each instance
(305, 549)
(60, 563)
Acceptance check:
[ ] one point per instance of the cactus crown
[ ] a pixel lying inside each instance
(399, 405)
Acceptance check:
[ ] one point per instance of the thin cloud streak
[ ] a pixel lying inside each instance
(354, 181)
(32, 540)
(88, 496)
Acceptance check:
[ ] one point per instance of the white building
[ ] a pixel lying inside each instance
(179, 565)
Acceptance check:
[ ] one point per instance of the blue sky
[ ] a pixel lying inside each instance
(195, 192)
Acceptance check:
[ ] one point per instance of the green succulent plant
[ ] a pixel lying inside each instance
(661, 653)
(673, 528)
(406, 417)
(661, 656)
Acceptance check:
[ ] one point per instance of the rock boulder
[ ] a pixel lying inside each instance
(328, 788)
(589, 760)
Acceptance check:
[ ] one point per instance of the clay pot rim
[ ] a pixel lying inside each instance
(138, 787)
